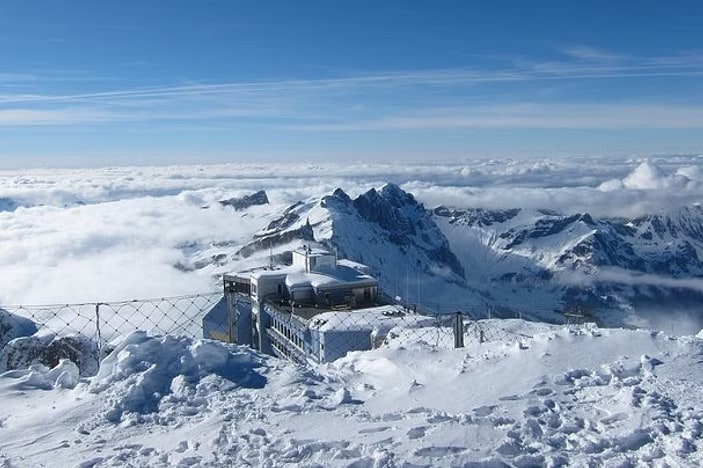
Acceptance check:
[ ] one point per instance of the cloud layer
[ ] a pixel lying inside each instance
(116, 233)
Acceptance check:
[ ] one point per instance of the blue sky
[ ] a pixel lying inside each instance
(86, 83)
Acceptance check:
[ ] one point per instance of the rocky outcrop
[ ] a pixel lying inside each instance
(49, 350)
(257, 198)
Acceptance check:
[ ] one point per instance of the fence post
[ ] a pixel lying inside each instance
(232, 317)
(98, 333)
(459, 331)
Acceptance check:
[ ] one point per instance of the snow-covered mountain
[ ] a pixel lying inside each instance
(601, 263)
(388, 230)
(512, 262)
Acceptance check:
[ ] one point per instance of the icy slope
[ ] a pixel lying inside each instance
(543, 396)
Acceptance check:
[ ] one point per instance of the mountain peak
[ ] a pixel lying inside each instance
(396, 196)
(338, 199)
(341, 195)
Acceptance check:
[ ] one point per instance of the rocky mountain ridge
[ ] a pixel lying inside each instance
(535, 263)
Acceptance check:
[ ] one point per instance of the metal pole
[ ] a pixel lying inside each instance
(231, 316)
(459, 331)
(98, 332)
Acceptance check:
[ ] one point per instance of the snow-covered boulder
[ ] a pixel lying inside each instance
(49, 350)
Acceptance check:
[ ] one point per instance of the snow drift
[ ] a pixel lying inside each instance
(546, 396)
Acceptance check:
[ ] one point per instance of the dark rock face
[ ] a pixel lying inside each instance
(407, 223)
(288, 219)
(339, 202)
(48, 350)
(543, 228)
(390, 216)
(686, 222)
(385, 209)
(270, 239)
(478, 217)
(258, 198)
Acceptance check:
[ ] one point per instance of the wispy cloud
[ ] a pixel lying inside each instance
(621, 276)
(529, 115)
(28, 117)
(677, 65)
(583, 52)
(419, 98)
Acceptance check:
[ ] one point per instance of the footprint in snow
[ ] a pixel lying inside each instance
(484, 410)
(613, 418)
(189, 461)
(417, 432)
(544, 391)
(373, 430)
(435, 452)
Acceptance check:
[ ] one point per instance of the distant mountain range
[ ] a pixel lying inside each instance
(534, 263)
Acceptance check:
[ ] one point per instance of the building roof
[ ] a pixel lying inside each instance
(325, 277)
(329, 278)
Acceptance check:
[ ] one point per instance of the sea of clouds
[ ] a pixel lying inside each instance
(116, 233)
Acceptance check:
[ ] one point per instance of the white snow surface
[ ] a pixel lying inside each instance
(544, 396)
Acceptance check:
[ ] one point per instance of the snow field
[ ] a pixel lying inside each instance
(553, 396)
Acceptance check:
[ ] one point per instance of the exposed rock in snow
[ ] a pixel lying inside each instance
(543, 260)
(387, 230)
(242, 203)
(48, 350)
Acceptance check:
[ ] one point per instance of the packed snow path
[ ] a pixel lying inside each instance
(557, 397)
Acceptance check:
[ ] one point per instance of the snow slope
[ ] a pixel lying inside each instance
(543, 396)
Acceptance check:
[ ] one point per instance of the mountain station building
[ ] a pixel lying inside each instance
(283, 310)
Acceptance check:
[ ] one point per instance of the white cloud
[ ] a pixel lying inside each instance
(582, 52)
(648, 176)
(114, 233)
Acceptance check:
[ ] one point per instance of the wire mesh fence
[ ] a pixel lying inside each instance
(44, 334)
(84, 333)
